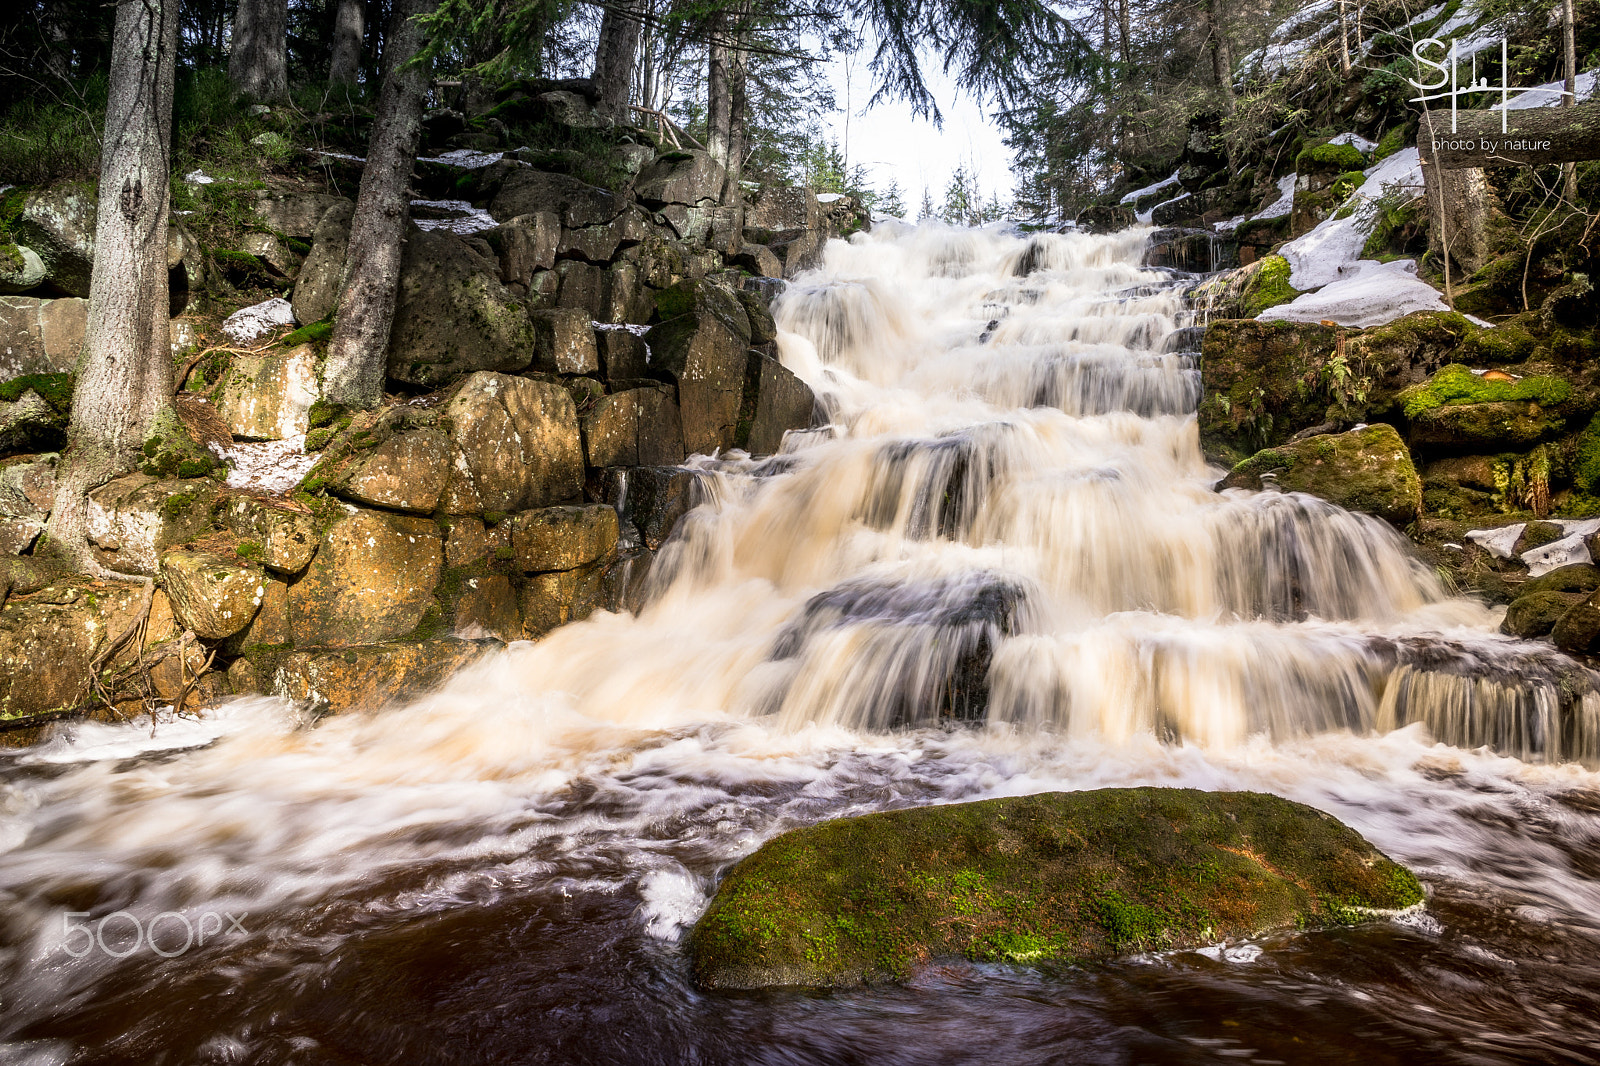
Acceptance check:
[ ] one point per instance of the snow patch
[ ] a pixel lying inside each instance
(1549, 94)
(1360, 143)
(1570, 550)
(469, 219)
(1139, 194)
(465, 158)
(274, 466)
(1285, 201)
(248, 323)
(829, 197)
(1372, 294)
(197, 177)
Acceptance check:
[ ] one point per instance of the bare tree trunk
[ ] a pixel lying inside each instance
(1221, 51)
(1344, 40)
(738, 115)
(1570, 54)
(259, 64)
(124, 387)
(717, 103)
(347, 31)
(358, 349)
(613, 60)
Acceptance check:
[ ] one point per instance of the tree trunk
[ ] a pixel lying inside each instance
(738, 116)
(358, 349)
(259, 65)
(613, 60)
(1344, 40)
(1570, 55)
(1221, 52)
(1537, 136)
(718, 107)
(124, 386)
(347, 31)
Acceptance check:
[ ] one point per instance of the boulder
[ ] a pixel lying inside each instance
(758, 259)
(599, 243)
(564, 342)
(372, 677)
(517, 445)
(634, 427)
(1253, 376)
(58, 224)
(1535, 614)
(135, 519)
(273, 251)
(407, 472)
(21, 268)
(372, 580)
(526, 244)
(49, 638)
(563, 538)
(626, 298)
(781, 207)
(1456, 408)
(270, 627)
(576, 203)
(1064, 876)
(31, 422)
(28, 487)
(706, 359)
(691, 224)
(774, 402)
(269, 396)
(40, 336)
(316, 289)
(798, 250)
(1363, 470)
(298, 214)
(554, 599)
(623, 355)
(651, 498)
(210, 595)
(1578, 630)
(757, 306)
(486, 606)
(286, 537)
(689, 177)
(466, 541)
(1579, 577)
(453, 315)
(584, 287)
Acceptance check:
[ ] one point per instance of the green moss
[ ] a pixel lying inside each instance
(169, 451)
(1269, 288)
(317, 331)
(1329, 157)
(317, 439)
(56, 389)
(176, 505)
(1586, 459)
(1063, 876)
(674, 302)
(1392, 141)
(1455, 384)
(1347, 183)
(250, 551)
(324, 413)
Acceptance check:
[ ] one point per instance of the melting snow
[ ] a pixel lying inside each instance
(1285, 201)
(465, 158)
(1549, 94)
(1361, 144)
(1569, 550)
(829, 197)
(270, 465)
(1139, 194)
(470, 220)
(198, 177)
(1372, 294)
(248, 323)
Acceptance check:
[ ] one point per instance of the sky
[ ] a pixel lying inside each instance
(893, 145)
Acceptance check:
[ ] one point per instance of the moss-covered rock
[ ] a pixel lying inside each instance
(1329, 159)
(1254, 376)
(1269, 287)
(1460, 409)
(1068, 876)
(1579, 577)
(1535, 614)
(1363, 470)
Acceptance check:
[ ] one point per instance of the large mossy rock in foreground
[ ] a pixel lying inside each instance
(1367, 469)
(1069, 876)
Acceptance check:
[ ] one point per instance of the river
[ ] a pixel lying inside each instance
(1000, 569)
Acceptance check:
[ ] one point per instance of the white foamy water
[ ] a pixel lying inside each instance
(1002, 571)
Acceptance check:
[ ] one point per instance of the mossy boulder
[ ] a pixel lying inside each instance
(1253, 374)
(1329, 159)
(1457, 408)
(1365, 469)
(1268, 287)
(1064, 876)
(1535, 614)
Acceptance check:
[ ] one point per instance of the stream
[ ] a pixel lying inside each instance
(999, 569)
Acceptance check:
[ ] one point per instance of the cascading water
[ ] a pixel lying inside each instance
(1001, 569)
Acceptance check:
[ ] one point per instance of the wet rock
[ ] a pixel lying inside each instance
(298, 214)
(691, 224)
(774, 402)
(369, 678)
(1363, 470)
(486, 606)
(625, 581)
(623, 356)
(40, 336)
(372, 580)
(210, 595)
(563, 538)
(799, 250)
(49, 639)
(174, 664)
(634, 427)
(1535, 614)
(136, 518)
(270, 627)
(454, 316)
(690, 177)
(575, 203)
(407, 472)
(517, 445)
(1105, 218)
(1252, 374)
(652, 499)
(269, 396)
(1458, 409)
(285, 537)
(526, 244)
(1577, 630)
(758, 259)
(584, 287)
(21, 268)
(707, 362)
(564, 342)
(872, 898)
(757, 311)
(1580, 577)
(58, 224)
(316, 288)
(553, 599)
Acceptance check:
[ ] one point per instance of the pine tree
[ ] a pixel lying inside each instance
(927, 214)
